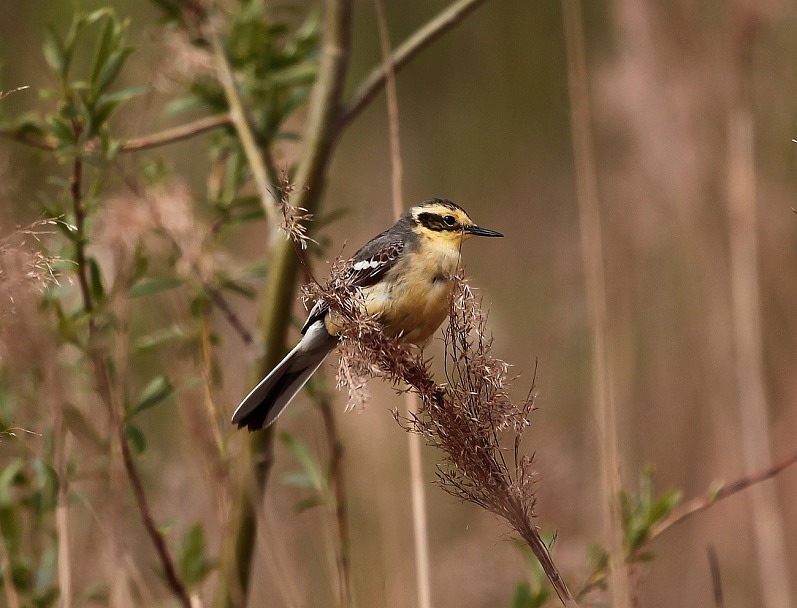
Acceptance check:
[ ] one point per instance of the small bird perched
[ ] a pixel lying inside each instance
(406, 276)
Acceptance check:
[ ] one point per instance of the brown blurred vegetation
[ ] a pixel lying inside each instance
(485, 122)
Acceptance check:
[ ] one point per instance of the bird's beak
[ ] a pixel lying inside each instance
(479, 231)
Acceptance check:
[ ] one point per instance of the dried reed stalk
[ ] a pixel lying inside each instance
(767, 516)
(420, 527)
(592, 252)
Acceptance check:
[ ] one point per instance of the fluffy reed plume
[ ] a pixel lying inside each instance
(466, 418)
(24, 267)
(295, 220)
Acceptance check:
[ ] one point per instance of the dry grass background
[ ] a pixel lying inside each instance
(484, 115)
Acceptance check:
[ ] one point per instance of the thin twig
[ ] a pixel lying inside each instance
(229, 314)
(423, 37)
(420, 526)
(592, 252)
(102, 377)
(178, 133)
(145, 142)
(79, 209)
(265, 188)
(701, 503)
(215, 295)
(716, 578)
(336, 473)
(4, 94)
(172, 579)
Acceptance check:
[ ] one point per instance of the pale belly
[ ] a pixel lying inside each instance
(411, 314)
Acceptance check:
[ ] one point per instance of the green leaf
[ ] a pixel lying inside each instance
(194, 565)
(308, 503)
(298, 479)
(45, 486)
(522, 597)
(54, 52)
(105, 42)
(184, 104)
(82, 429)
(111, 69)
(306, 461)
(10, 528)
(96, 15)
(127, 93)
(159, 389)
(149, 287)
(136, 438)
(21, 575)
(664, 506)
(45, 573)
(95, 281)
(239, 288)
(160, 337)
(11, 475)
(61, 130)
(171, 8)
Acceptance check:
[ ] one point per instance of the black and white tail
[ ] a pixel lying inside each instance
(274, 392)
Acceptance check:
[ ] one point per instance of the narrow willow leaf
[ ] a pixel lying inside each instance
(149, 287)
(158, 390)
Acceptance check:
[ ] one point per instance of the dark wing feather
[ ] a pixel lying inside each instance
(368, 266)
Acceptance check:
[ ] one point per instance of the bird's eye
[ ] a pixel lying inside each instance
(450, 220)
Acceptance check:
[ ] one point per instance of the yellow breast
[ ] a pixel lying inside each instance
(412, 299)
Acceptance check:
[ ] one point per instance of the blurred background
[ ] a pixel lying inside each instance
(485, 121)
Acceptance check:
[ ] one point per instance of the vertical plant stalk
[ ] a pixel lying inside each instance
(420, 533)
(103, 383)
(281, 285)
(592, 252)
(64, 568)
(79, 209)
(767, 519)
(447, 19)
(169, 570)
(336, 473)
(716, 579)
(9, 590)
(254, 156)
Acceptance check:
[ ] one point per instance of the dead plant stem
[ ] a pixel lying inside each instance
(701, 503)
(337, 474)
(766, 518)
(178, 133)
(102, 378)
(265, 188)
(145, 142)
(592, 251)
(414, 441)
(404, 53)
(169, 570)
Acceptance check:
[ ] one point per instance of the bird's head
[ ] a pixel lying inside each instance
(442, 219)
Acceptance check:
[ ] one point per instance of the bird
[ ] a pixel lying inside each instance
(406, 275)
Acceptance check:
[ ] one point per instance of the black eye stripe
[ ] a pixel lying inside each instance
(434, 221)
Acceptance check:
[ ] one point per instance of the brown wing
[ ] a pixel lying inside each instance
(369, 265)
